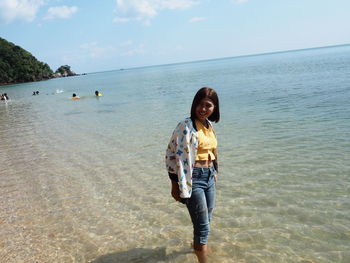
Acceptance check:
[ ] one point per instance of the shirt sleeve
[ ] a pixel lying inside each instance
(183, 159)
(178, 158)
(170, 156)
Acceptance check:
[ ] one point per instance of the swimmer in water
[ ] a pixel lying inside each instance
(74, 96)
(4, 97)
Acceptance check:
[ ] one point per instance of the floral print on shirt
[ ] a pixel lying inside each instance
(181, 155)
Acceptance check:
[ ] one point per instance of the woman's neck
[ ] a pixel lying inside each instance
(204, 122)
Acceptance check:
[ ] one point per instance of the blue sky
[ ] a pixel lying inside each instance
(99, 35)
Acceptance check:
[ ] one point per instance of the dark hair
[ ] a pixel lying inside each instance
(204, 93)
(74, 95)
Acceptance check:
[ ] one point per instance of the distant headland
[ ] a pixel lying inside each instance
(18, 66)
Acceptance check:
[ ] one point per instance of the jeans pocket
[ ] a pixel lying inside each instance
(196, 173)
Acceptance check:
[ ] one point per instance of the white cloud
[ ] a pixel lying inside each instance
(179, 48)
(96, 51)
(145, 10)
(124, 49)
(72, 59)
(126, 43)
(121, 20)
(61, 12)
(196, 19)
(134, 51)
(240, 1)
(25, 10)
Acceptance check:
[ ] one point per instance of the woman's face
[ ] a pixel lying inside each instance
(204, 109)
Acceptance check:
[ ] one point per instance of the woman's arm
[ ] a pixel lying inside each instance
(216, 165)
(175, 190)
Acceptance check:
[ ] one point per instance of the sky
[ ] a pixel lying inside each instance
(100, 35)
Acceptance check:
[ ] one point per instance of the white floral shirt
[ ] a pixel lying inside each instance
(181, 155)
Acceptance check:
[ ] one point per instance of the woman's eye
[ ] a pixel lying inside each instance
(206, 106)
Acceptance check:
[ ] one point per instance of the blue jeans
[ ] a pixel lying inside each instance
(201, 203)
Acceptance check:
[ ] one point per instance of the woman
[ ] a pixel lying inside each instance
(191, 161)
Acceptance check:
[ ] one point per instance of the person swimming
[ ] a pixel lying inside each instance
(74, 96)
(4, 97)
(98, 94)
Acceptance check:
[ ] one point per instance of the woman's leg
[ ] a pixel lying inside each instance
(210, 194)
(201, 252)
(198, 208)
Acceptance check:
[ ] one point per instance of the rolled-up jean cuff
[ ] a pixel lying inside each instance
(200, 240)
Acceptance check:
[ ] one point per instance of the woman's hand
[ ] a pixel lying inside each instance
(175, 191)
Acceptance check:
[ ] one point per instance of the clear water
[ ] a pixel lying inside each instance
(84, 180)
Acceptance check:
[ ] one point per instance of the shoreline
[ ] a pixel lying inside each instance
(44, 79)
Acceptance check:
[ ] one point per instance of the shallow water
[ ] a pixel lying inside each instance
(84, 180)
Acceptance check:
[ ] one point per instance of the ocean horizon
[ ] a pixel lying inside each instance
(219, 58)
(85, 180)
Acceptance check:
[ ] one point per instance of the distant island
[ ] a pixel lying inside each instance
(18, 65)
(64, 71)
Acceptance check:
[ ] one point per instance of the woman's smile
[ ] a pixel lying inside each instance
(204, 109)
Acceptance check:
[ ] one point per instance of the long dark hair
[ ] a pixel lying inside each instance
(211, 94)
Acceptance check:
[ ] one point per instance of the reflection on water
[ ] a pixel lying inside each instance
(84, 181)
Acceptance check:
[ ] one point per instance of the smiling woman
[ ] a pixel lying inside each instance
(190, 160)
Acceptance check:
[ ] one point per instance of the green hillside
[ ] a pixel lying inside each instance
(18, 65)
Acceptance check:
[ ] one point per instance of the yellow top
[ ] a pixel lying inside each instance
(207, 142)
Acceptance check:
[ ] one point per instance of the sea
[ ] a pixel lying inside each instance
(85, 180)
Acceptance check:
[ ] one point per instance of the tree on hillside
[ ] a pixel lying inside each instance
(18, 65)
